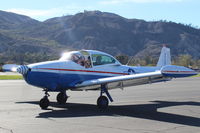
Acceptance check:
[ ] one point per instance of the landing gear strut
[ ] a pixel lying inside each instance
(62, 97)
(102, 101)
(44, 102)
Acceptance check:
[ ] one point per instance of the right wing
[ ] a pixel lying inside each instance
(122, 81)
(164, 74)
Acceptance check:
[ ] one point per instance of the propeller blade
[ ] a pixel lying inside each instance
(22, 69)
(9, 68)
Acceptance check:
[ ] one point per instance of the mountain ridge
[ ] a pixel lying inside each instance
(97, 30)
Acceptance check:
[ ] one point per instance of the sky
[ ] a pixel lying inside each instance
(180, 11)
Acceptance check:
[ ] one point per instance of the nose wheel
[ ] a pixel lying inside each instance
(44, 102)
(62, 97)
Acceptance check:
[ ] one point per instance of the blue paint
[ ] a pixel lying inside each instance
(63, 81)
(57, 81)
(178, 75)
(43, 79)
(70, 80)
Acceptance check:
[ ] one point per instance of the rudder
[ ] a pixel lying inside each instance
(165, 57)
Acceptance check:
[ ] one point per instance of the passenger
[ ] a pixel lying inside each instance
(81, 60)
(88, 62)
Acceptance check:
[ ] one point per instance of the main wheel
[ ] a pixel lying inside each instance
(102, 102)
(61, 98)
(44, 102)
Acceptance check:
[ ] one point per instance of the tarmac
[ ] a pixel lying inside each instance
(167, 107)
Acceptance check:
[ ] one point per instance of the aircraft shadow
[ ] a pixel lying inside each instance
(143, 111)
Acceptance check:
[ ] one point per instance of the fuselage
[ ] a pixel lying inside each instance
(78, 66)
(95, 70)
(58, 75)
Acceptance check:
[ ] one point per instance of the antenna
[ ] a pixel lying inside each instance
(129, 60)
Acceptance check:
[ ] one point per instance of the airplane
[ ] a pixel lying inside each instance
(95, 70)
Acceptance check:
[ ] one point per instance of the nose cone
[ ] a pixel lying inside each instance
(23, 69)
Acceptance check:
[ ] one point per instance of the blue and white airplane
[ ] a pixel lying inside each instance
(95, 70)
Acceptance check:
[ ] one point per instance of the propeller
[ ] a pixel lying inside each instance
(9, 68)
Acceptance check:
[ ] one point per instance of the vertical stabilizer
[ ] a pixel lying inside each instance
(165, 57)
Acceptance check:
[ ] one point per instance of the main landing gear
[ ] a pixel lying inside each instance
(61, 99)
(102, 101)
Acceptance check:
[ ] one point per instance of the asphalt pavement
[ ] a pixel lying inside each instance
(167, 107)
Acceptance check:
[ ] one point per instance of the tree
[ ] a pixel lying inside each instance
(184, 60)
(122, 59)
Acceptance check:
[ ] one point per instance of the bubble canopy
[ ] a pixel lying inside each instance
(89, 58)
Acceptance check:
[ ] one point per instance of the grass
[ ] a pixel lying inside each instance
(10, 77)
(198, 75)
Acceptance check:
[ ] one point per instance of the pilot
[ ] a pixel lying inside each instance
(78, 58)
(75, 58)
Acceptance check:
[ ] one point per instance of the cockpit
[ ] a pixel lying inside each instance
(89, 58)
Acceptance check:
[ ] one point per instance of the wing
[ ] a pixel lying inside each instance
(122, 81)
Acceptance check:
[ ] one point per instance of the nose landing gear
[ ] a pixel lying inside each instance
(44, 102)
(61, 99)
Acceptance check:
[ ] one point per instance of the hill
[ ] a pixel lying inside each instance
(103, 31)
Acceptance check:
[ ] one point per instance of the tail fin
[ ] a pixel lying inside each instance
(165, 57)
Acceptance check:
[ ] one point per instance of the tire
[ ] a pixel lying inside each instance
(102, 102)
(44, 103)
(61, 98)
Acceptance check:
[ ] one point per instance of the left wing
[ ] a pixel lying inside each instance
(122, 81)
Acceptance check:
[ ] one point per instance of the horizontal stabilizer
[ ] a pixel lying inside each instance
(177, 71)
